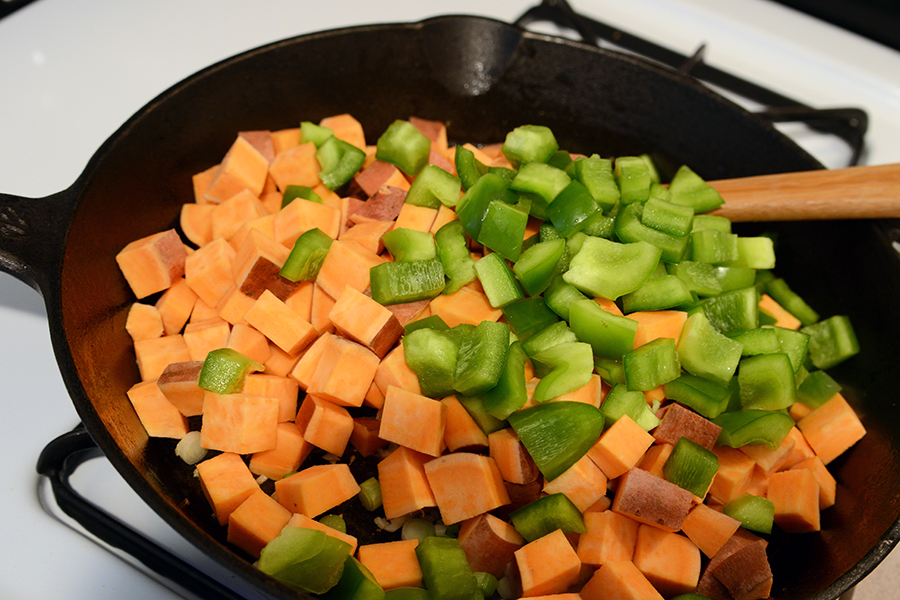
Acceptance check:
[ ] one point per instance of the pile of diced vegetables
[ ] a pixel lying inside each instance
(577, 382)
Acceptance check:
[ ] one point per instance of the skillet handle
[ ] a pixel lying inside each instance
(32, 236)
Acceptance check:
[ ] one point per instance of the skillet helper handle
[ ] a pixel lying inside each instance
(870, 192)
(58, 462)
(32, 236)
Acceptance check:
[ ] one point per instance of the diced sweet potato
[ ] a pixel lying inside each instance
(316, 489)
(283, 388)
(234, 305)
(158, 416)
(283, 139)
(583, 483)
(465, 305)
(393, 371)
(404, 485)
(621, 580)
(795, 494)
(669, 561)
(226, 482)
(410, 311)
(257, 521)
(324, 424)
(155, 354)
(319, 309)
(200, 182)
(306, 366)
(358, 317)
(249, 342)
(368, 235)
(436, 131)
(414, 421)
(385, 205)
(344, 372)
(175, 306)
(490, 543)
(208, 271)
(651, 500)
(153, 263)
(465, 485)
(782, 317)
(610, 537)
(379, 173)
(656, 324)
(243, 168)
(800, 451)
(300, 216)
(178, 383)
(229, 216)
(239, 423)
(589, 393)
(620, 447)
(296, 165)
(461, 431)
(709, 528)
(742, 567)
(346, 128)
(280, 363)
(823, 477)
(276, 321)
(347, 264)
(445, 214)
(655, 458)
(264, 224)
(365, 437)
(768, 459)
(143, 322)
(515, 464)
(257, 266)
(301, 300)
(735, 470)
(394, 564)
(286, 457)
(832, 428)
(547, 565)
(201, 337)
(677, 422)
(418, 218)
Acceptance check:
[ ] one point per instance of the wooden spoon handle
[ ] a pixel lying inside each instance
(870, 192)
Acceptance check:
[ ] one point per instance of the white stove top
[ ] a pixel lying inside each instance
(72, 72)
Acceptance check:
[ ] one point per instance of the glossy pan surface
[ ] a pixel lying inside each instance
(482, 78)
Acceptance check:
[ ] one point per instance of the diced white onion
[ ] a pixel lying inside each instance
(392, 525)
(189, 449)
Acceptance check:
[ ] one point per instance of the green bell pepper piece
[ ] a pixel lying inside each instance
(609, 335)
(307, 256)
(529, 143)
(570, 365)
(407, 245)
(691, 466)
(445, 569)
(831, 341)
(292, 192)
(699, 277)
(667, 217)
(482, 358)
(224, 371)
(557, 333)
(658, 293)
(755, 253)
(596, 174)
(633, 178)
(651, 365)
(559, 295)
(610, 269)
(403, 146)
(497, 279)
(754, 512)
(689, 189)
(572, 209)
(713, 222)
(433, 187)
(732, 278)
(400, 282)
(757, 341)
(737, 310)
(557, 434)
(753, 427)
(536, 266)
(817, 389)
(432, 355)
(781, 293)
(707, 398)
(469, 168)
(317, 134)
(545, 515)
(370, 494)
(793, 343)
(339, 162)
(429, 322)
(510, 393)
(630, 228)
(305, 558)
(542, 179)
(714, 247)
(356, 583)
(453, 252)
(474, 203)
(474, 405)
(611, 371)
(705, 352)
(528, 316)
(503, 229)
(766, 382)
(622, 401)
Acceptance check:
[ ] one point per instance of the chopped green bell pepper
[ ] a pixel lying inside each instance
(651, 365)
(305, 558)
(469, 168)
(224, 371)
(754, 512)
(596, 174)
(400, 282)
(407, 245)
(691, 466)
(622, 401)
(482, 358)
(766, 382)
(610, 269)
(529, 316)
(307, 256)
(545, 515)
(433, 187)
(432, 355)
(537, 265)
(445, 569)
(633, 178)
(708, 398)
(339, 162)
(510, 393)
(609, 335)
(689, 189)
(817, 389)
(705, 352)
(831, 341)
(497, 279)
(572, 208)
(529, 143)
(403, 146)
(453, 252)
(568, 366)
(317, 134)
(753, 427)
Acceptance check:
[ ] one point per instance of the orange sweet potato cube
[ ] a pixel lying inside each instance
(153, 263)
(363, 320)
(243, 168)
(286, 457)
(230, 216)
(709, 528)
(283, 388)
(393, 371)
(249, 342)
(394, 564)
(155, 354)
(610, 537)
(461, 431)
(346, 264)
(365, 435)
(257, 266)
(178, 383)
(324, 424)
(513, 461)
(295, 165)
(621, 580)
(826, 481)
(202, 337)
(466, 305)
(346, 128)
(620, 447)
(404, 484)
(257, 521)
(300, 216)
(795, 494)
(239, 423)
(234, 305)
(465, 485)
(143, 322)
(669, 561)
(735, 470)
(316, 489)
(287, 330)
(301, 520)
(344, 372)
(306, 366)
(584, 483)
(208, 271)
(547, 565)
(196, 223)
(414, 421)
(832, 428)
(226, 482)
(158, 416)
(175, 306)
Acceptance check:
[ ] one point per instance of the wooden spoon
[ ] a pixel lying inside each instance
(870, 192)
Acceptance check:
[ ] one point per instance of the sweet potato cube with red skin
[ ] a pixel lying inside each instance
(583, 483)
(384, 205)
(324, 424)
(153, 263)
(257, 521)
(283, 388)
(226, 482)
(832, 428)
(795, 494)
(316, 489)
(393, 564)
(620, 447)
(257, 267)
(296, 165)
(300, 520)
(414, 421)
(159, 417)
(462, 432)
(361, 319)
(155, 354)
(609, 537)
(669, 561)
(143, 322)
(514, 462)
(742, 567)
(465, 485)
(435, 131)
(651, 500)
(286, 457)
(678, 422)
(346, 263)
(404, 485)
(287, 330)
(365, 437)
(547, 565)
(260, 139)
(408, 311)
(239, 423)
(202, 337)
(208, 271)
(372, 177)
(709, 528)
(344, 372)
(489, 542)
(243, 168)
(620, 580)
(178, 383)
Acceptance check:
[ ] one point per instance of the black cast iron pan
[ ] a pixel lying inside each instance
(483, 78)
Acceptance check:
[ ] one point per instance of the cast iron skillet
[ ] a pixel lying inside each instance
(483, 78)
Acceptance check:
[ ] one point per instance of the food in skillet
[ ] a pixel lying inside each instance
(569, 377)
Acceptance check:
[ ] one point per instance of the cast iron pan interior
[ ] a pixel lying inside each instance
(483, 78)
